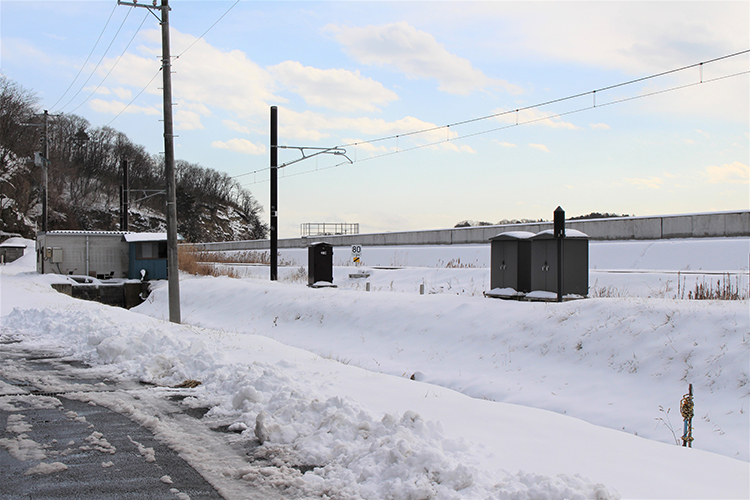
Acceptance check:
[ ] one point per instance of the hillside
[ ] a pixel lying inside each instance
(85, 179)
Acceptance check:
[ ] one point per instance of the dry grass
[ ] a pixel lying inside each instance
(455, 264)
(724, 290)
(241, 257)
(298, 276)
(192, 261)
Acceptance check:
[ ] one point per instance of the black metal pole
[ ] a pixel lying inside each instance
(274, 193)
(121, 223)
(559, 232)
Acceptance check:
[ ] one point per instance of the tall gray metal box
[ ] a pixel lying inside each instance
(510, 261)
(575, 258)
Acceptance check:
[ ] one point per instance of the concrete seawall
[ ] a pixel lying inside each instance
(703, 225)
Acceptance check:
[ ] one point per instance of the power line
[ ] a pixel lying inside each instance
(100, 61)
(496, 129)
(87, 58)
(209, 29)
(176, 57)
(114, 65)
(134, 98)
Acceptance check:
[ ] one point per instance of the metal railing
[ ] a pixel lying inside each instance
(328, 228)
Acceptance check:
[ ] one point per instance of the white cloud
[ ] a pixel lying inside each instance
(233, 125)
(732, 173)
(651, 182)
(115, 107)
(360, 145)
(187, 120)
(533, 115)
(53, 36)
(505, 144)
(187, 115)
(227, 80)
(240, 146)
(637, 37)
(311, 126)
(336, 89)
(540, 147)
(599, 126)
(453, 147)
(415, 53)
(15, 49)
(122, 93)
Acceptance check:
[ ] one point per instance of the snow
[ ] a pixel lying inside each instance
(393, 394)
(136, 237)
(521, 235)
(569, 233)
(47, 468)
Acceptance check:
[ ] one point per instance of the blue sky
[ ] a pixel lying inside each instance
(350, 72)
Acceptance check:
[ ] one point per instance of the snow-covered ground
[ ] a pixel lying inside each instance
(447, 394)
(660, 269)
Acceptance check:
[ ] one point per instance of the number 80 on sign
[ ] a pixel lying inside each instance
(356, 253)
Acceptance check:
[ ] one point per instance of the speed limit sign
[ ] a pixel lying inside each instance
(356, 253)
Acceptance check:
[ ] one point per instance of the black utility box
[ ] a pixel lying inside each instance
(319, 263)
(510, 261)
(575, 249)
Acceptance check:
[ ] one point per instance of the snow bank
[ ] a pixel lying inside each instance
(349, 451)
(319, 384)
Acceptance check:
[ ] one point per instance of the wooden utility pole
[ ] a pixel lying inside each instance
(45, 183)
(166, 69)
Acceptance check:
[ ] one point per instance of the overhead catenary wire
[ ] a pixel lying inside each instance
(594, 104)
(554, 101)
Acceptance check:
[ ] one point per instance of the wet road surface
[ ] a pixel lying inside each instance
(57, 442)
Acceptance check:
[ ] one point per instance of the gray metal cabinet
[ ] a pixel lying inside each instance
(510, 261)
(575, 258)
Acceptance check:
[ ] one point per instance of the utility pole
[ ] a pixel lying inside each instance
(42, 160)
(274, 194)
(166, 68)
(45, 173)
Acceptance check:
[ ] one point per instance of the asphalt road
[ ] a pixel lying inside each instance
(55, 444)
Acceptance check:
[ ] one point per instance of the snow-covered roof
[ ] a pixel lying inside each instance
(13, 244)
(520, 235)
(85, 233)
(569, 233)
(136, 237)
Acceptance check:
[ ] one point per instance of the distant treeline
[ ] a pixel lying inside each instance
(503, 222)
